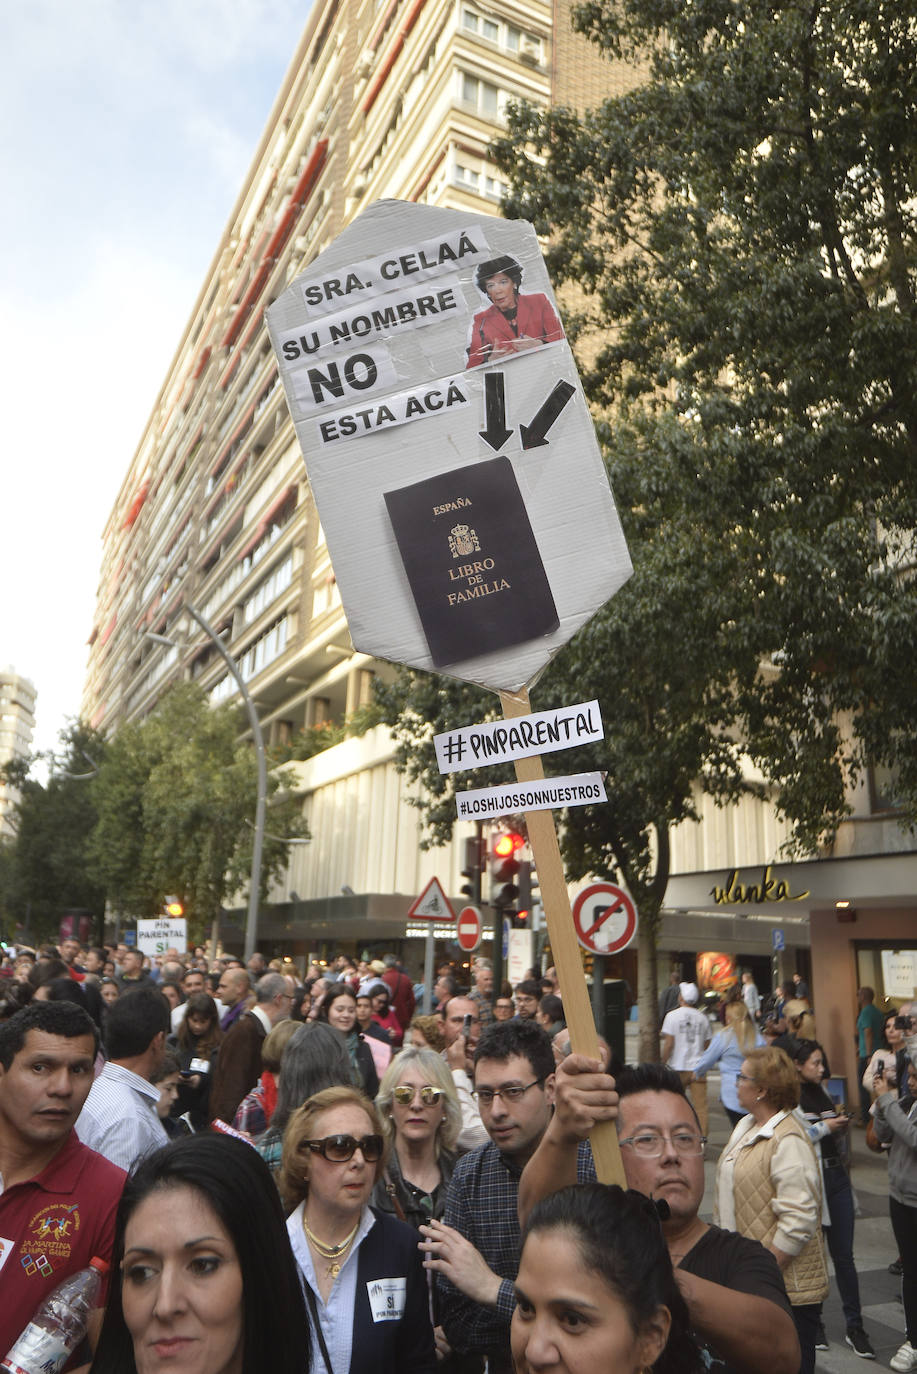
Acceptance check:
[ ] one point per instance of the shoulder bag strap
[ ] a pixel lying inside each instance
(390, 1189)
(313, 1311)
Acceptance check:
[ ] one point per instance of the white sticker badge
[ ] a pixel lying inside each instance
(6, 1249)
(386, 1299)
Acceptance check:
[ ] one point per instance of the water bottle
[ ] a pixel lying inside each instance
(59, 1323)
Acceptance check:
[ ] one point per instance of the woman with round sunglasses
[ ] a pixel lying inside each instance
(421, 1119)
(361, 1271)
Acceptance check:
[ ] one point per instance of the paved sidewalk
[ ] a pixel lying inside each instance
(873, 1247)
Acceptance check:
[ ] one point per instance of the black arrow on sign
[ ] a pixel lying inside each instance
(602, 918)
(496, 433)
(533, 435)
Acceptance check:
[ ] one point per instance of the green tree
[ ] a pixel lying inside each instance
(175, 799)
(739, 228)
(46, 864)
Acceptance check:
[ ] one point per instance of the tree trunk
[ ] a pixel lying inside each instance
(647, 984)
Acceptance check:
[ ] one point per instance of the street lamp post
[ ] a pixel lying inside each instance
(251, 920)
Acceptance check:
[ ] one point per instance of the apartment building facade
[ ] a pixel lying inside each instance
(383, 99)
(395, 98)
(17, 721)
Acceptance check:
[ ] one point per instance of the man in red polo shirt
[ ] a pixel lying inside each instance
(58, 1198)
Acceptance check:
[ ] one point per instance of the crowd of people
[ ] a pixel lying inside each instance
(321, 1174)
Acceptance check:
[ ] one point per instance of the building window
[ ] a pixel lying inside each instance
(257, 656)
(480, 95)
(526, 46)
(267, 591)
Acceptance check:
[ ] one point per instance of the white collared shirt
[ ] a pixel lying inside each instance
(119, 1117)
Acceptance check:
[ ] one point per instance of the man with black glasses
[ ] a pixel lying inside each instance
(475, 1249)
(735, 1294)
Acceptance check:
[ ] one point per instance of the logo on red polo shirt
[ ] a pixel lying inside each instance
(49, 1238)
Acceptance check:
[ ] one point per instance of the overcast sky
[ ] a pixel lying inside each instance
(126, 128)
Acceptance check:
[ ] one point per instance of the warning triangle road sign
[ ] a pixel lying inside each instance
(432, 904)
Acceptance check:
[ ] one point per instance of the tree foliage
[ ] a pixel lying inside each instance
(175, 798)
(45, 867)
(739, 228)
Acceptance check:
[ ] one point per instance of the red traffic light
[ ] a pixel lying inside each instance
(506, 845)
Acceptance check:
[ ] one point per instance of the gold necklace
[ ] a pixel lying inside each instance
(332, 1253)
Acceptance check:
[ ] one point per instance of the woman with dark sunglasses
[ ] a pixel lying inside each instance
(361, 1271)
(421, 1118)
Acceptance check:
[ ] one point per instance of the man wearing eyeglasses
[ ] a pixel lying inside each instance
(475, 1249)
(733, 1288)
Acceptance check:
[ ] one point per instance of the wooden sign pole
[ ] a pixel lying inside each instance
(564, 945)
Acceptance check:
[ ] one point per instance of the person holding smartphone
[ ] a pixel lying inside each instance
(461, 1028)
(896, 1031)
(896, 1125)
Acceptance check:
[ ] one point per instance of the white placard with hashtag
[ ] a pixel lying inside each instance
(501, 741)
(488, 803)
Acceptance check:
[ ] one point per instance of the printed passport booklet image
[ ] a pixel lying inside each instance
(471, 560)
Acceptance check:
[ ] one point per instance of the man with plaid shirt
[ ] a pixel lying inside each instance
(475, 1249)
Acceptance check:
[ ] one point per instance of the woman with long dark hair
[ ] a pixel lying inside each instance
(196, 1044)
(827, 1131)
(339, 1010)
(596, 1290)
(896, 1126)
(203, 1277)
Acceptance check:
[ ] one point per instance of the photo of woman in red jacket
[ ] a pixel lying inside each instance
(512, 323)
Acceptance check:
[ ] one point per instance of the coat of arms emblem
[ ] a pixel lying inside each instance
(463, 541)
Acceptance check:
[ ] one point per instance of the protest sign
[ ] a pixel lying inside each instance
(457, 476)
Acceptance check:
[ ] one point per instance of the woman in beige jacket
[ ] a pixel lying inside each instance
(768, 1187)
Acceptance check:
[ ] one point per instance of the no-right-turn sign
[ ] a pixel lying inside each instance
(605, 918)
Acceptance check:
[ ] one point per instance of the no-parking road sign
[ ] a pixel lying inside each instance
(605, 918)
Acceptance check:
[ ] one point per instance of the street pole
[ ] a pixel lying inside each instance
(251, 922)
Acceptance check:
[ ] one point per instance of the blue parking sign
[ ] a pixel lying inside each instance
(779, 939)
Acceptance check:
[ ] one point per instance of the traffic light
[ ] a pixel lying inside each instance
(173, 906)
(474, 862)
(525, 892)
(504, 869)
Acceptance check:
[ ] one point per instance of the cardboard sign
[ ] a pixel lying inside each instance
(165, 932)
(500, 741)
(489, 803)
(448, 443)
